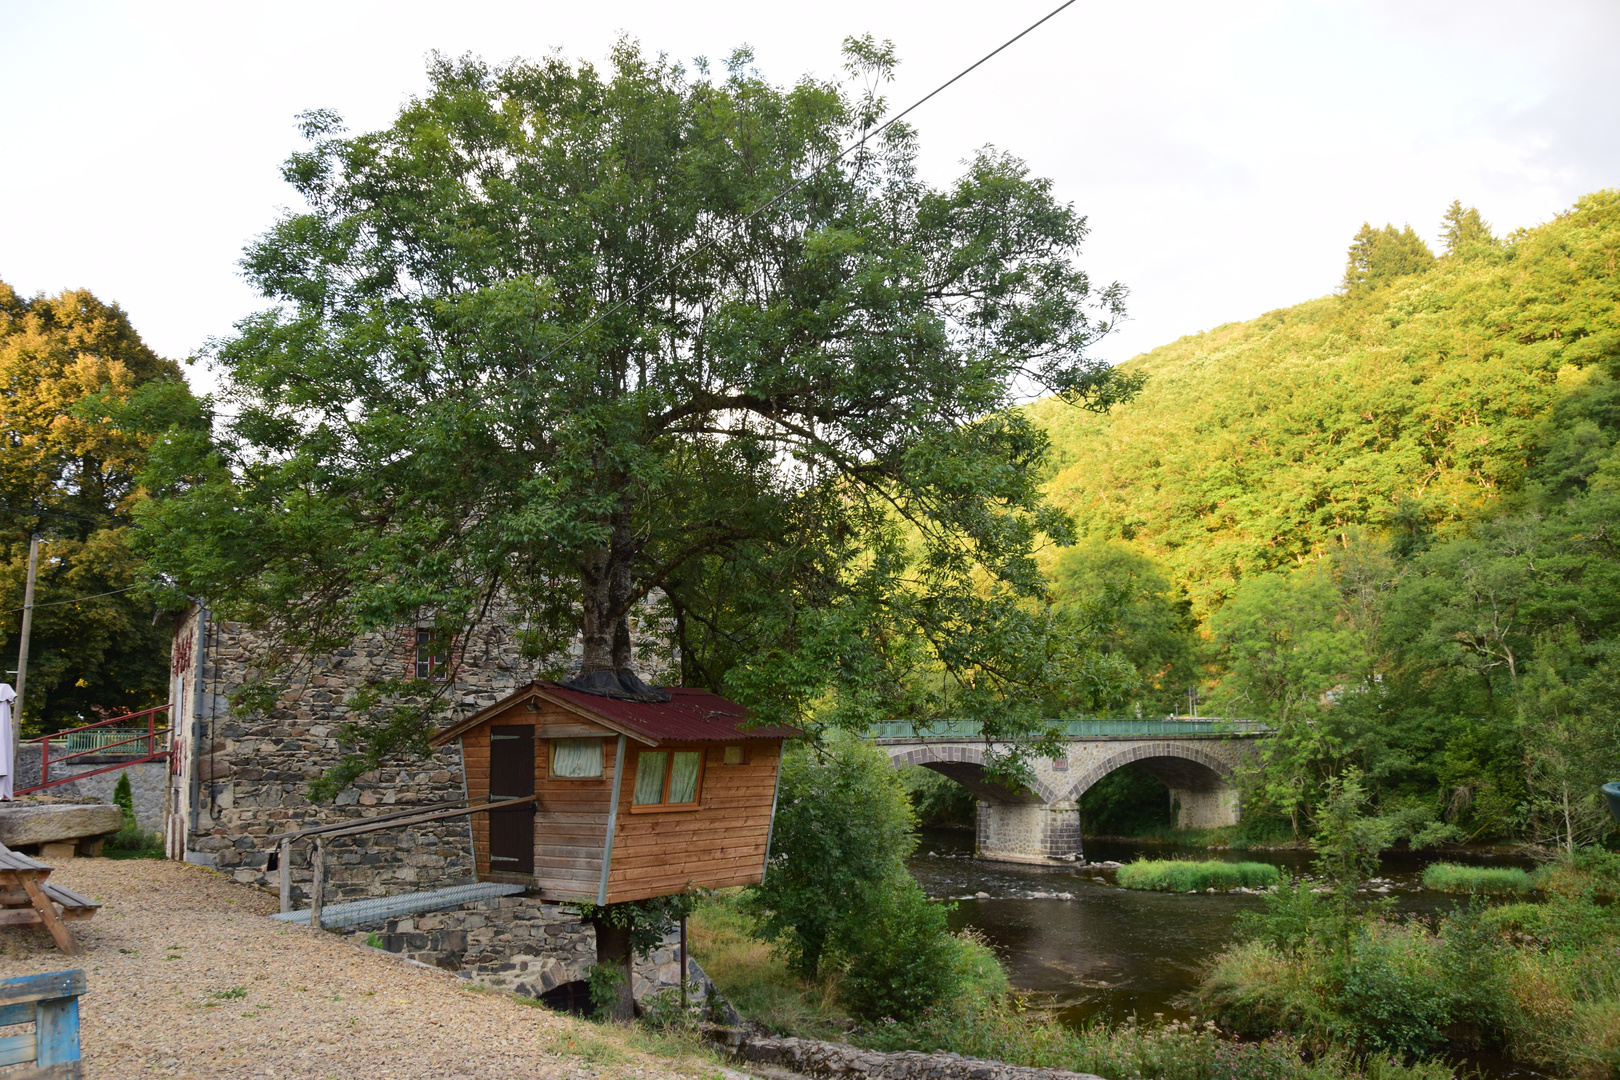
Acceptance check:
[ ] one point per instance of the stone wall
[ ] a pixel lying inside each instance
(837, 1061)
(520, 945)
(147, 782)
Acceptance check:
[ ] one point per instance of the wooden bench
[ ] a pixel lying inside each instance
(51, 1003)
(28, 899)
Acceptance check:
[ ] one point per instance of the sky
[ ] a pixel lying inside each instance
(1224, 154)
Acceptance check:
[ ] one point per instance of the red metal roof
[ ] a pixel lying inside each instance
(691, 715)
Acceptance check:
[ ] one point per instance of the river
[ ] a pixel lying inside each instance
(1110, 953)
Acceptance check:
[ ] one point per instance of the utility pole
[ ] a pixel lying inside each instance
(22, 652)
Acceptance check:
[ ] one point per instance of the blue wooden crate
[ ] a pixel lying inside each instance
(51, 1003)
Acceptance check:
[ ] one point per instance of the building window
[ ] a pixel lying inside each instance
(576, 759)
(734, 756)
(432, 660)
(668, 779)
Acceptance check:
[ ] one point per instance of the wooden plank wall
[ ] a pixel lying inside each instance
(571, 818)
(719, 844)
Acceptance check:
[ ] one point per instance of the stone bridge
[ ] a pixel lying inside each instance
(1194, 759)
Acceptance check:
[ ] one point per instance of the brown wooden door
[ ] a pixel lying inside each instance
(511, 775)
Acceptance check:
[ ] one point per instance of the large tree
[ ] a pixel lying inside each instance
(75, 379)
(581, 339)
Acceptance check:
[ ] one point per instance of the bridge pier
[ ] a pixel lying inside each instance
(1028, 832)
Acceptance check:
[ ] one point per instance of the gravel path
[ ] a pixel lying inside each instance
(187, 979)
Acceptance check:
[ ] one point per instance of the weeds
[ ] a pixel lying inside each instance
(1179, 875)
(1449, 877)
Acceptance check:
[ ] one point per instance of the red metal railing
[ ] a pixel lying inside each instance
(136, 754)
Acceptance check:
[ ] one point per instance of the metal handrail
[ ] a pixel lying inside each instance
(974, 729)
(149, 736)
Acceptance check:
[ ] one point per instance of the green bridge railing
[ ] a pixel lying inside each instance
(1074, 729)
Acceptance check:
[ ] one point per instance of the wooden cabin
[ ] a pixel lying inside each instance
(634, 799)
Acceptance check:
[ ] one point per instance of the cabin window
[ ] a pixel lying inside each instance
(668, 779)
(431, 657)
(734, 755)
(576, 759)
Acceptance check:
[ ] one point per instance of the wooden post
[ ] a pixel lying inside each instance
(683, 963)
(285, 866)
(22, 668)
(317, 866)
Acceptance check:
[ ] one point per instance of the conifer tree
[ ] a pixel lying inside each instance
(1378, 256)
(1461, 228)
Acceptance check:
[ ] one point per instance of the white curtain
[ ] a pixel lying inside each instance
(575, 758)
(683, 776)
(650, 766)
(8, 765)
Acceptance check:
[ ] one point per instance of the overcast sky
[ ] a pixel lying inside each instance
(1224, 153)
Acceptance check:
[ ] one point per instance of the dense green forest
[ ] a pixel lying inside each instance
(1384, 520)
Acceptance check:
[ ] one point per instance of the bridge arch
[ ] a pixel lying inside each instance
(1179, 766)
(966, 765)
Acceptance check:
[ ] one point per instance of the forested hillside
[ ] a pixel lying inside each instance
(1384, 520)
(1411, 405)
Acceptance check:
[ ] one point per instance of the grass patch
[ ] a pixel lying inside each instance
(757, 983)
(1180, 875)
(1449, 877)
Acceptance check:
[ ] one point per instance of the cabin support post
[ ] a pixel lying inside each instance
(317, 865)
(770, 830)
(613, 821)
(284, 864)
(683, 963)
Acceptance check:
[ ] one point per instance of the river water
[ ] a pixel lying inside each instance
(1109, 952)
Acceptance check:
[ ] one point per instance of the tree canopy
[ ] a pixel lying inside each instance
(74, 379)
(587, 340)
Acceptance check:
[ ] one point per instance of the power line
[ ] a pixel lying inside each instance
(801, 181)
(75, 600)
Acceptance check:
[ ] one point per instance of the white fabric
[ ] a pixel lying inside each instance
(7, 765)
(576, 758)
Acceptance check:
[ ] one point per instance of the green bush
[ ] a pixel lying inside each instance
(843, 828)
(1449, 877)
(1179, 875)
(1292, 915)
(901, 960)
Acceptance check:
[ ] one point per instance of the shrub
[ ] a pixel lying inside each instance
(1449, 877)
(1291, 916)
(843, 828)
(1179, 875)
(901, 959)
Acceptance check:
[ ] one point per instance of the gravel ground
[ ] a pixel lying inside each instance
(186, 978)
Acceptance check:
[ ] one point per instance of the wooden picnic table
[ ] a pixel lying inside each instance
(27, 899)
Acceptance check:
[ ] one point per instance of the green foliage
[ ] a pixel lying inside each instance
(1178, 875)
(842, 834)
(901, 959)
(1380, 256)
(1004, 1031)
(1126, 802)
(503, 359)
(1292, 915)
(647, 921)
(1254, 446)
(1124, 602)
(85, 403)
(124, 797)
(1450, 877)
(937, 799)
(1463, 229)
(606, 983)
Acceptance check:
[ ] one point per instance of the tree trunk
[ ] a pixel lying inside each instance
(607, 585)
(613, 951)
